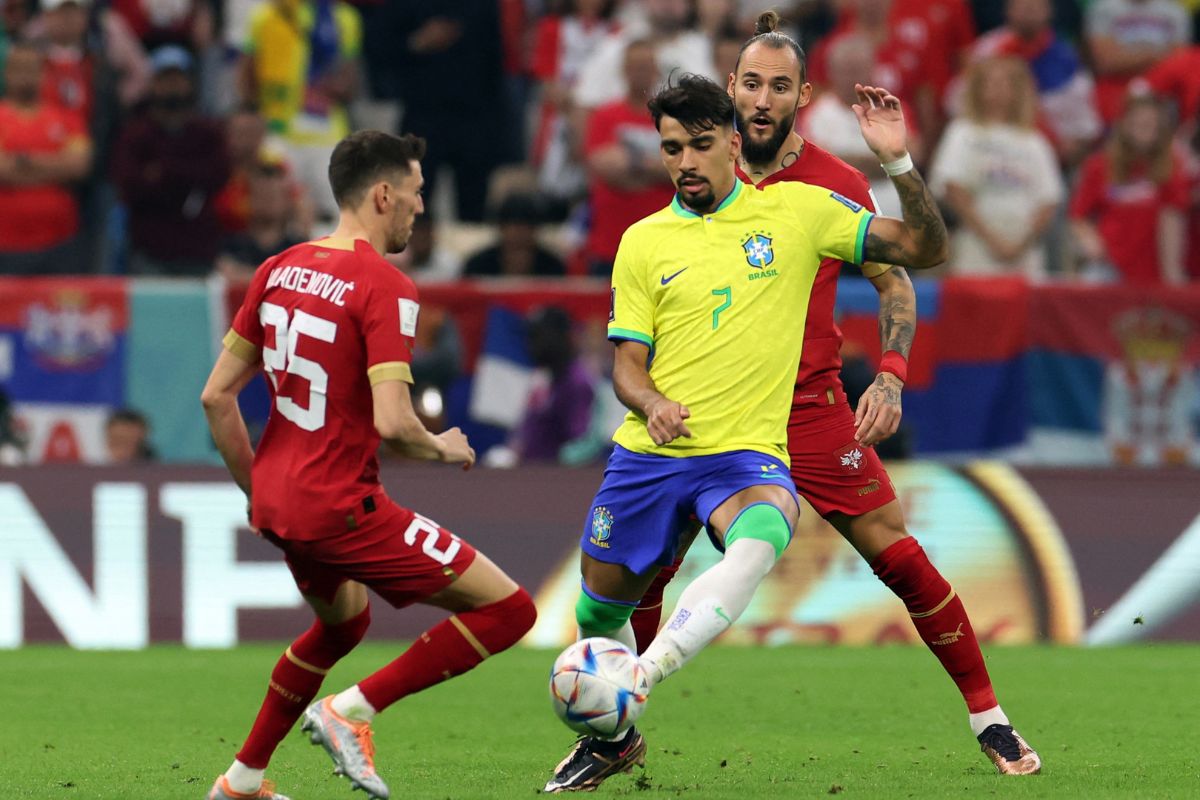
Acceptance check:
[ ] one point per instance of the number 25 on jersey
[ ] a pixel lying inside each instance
(277, 360)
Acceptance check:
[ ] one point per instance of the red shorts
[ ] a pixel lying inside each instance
(401, 555)
(832, 471)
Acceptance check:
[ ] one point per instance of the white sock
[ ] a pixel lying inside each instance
(708, 606)
(993, 716)
(352, 705)
(243, 779)
(623, 634)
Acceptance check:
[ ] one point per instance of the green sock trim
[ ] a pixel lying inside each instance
(761, 521)
(600, 615)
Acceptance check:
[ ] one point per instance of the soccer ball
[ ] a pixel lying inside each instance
(598, 688)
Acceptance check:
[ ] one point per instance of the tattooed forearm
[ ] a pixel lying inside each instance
(922, 240)
(897, 312)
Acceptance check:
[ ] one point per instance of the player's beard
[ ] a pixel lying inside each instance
(702, 203)
(763, 151)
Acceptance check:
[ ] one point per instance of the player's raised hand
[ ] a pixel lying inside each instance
(882, 122)
(664, 421)
(456, 449)
(878, 413)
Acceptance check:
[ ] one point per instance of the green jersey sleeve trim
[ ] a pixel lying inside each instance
(861, 239)
(633, 336)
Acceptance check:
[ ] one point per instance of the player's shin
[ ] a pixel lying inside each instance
(714, 600)
(941, 620)
(449, 648)
(294, 683)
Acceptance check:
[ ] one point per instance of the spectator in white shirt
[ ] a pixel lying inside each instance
(998, 174)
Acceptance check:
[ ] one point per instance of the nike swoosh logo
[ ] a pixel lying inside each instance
(665, 280)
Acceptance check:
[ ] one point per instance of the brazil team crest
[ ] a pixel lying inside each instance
(602, 521)
(759, 251)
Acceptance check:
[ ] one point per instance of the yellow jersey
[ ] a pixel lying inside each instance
(721, 299)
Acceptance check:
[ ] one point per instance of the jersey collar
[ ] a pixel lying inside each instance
(683, 211)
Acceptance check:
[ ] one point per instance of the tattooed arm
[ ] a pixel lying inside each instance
(919, 240)
(878, 412)
(897, 310)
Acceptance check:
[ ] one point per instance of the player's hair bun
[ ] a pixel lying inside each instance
(767, 22)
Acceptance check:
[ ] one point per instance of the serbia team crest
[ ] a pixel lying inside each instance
(759, 251)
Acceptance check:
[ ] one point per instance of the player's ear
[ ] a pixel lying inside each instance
(805, 94)
(735, 145)
(380, 193)
(729, 85)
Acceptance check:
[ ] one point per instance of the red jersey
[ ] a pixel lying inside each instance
(821, 359)
(1127, 214)
(37, 216)
(331, 318)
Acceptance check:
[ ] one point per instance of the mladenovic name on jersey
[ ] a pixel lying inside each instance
(311, 281)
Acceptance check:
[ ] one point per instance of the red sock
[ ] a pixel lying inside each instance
(295, 681)
(451, 648)
(939, 618)
(648, 614)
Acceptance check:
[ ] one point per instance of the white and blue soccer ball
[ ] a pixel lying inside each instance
(598, 688)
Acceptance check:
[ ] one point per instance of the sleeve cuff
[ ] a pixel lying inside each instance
(241, 347)
(390, 371)
(860, 241)
(623, 334)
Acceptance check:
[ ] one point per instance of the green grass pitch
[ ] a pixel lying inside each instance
(736, 723)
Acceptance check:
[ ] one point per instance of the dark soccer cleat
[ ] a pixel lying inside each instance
(348, 744)
(222, 791)
(592, 761)
(1008, 751)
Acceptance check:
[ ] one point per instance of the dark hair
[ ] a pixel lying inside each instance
(131, 415)
(766, 31)
(365, 157)
(697, 102)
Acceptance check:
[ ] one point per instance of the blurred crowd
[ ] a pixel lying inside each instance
(183, 137)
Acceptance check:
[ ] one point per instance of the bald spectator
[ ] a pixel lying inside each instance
(1128, 37)
(627, 179)
(44, 152)
(1066, 91)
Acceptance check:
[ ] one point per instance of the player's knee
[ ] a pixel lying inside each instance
(765, 522)
(597, 615)
(520, 611)
(499, 625)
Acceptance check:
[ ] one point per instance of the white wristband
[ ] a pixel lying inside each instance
(899, 166)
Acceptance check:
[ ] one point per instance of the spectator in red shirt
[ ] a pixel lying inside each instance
(1128, 209)
(43, 151)
(1128, 37)
(89, 52)
(621, 150)
(170, 163)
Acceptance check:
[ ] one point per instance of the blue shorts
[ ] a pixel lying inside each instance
(645, 503)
